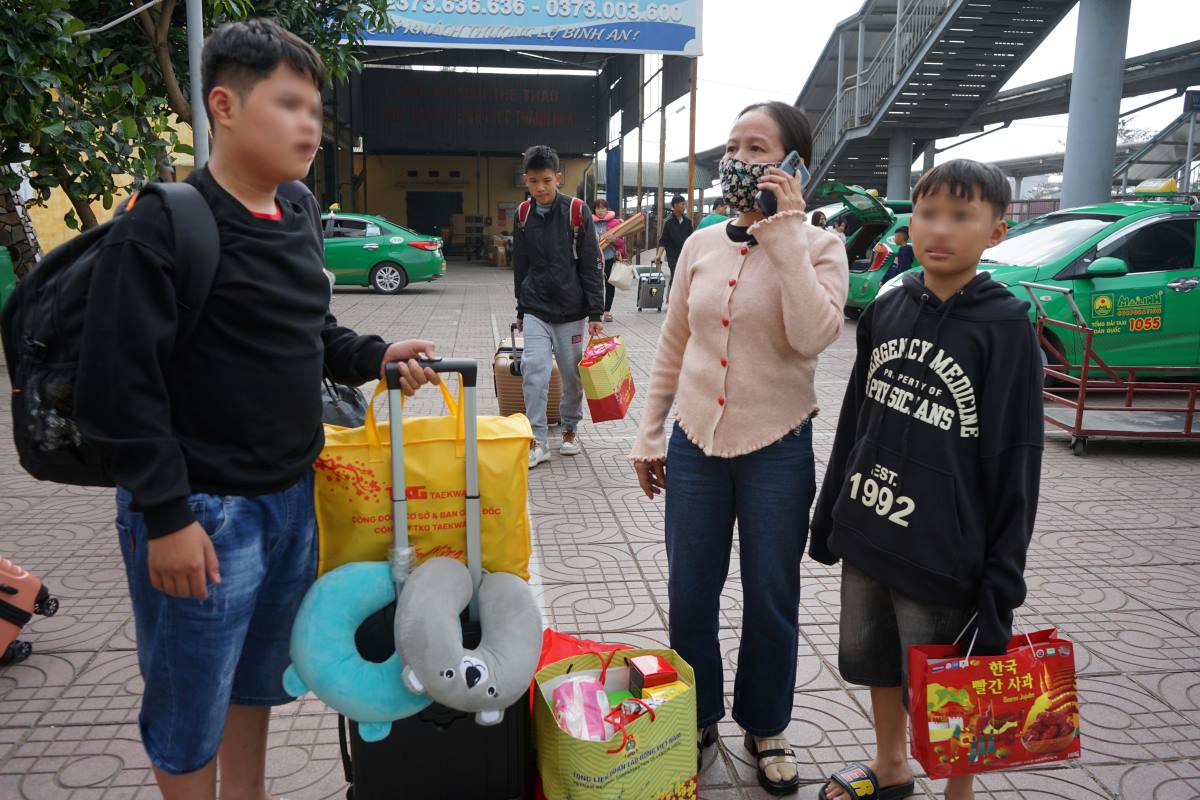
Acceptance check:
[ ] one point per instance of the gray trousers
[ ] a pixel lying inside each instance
(544, 341)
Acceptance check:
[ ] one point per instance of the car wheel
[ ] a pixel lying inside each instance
(388, 277)
(852, 312)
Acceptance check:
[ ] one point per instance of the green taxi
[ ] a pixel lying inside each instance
(362, 250)
(1134, 271)
(871, 249)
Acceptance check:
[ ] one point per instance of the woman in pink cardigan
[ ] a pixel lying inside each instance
(755, 303)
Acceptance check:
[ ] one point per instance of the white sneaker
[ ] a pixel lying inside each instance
(537, 454)
(570, 444)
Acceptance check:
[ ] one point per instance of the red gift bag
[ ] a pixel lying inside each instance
(974, 713)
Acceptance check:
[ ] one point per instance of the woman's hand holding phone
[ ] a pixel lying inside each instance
(788, 189)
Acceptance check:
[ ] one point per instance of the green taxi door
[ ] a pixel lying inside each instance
(351, 249)
(1141, 294)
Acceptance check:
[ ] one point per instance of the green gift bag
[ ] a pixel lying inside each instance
(652, 758)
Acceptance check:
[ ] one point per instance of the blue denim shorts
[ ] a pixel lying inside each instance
(199, 656)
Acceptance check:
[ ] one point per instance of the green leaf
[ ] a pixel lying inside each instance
(73, 26)
(54, 129)
(129, 125)
(118, 69)
(139, 85)
(185, 149)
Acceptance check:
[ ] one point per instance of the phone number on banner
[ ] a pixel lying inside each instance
(572, 9)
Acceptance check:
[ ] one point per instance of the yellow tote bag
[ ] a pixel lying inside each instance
(353, 483)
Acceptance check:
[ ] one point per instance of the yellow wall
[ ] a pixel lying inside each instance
(388, 184)
(48, 219)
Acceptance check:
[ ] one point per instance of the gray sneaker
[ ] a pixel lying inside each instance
(570, 444)
(538, 454)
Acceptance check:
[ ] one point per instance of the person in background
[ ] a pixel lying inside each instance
(818, 219)
(904, 256)
(558, 280)
(675, 232)
(720, 213)
(839, 228)
(605, 219)
(757, 297)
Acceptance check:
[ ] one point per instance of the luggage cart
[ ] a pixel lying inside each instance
(1075, 403)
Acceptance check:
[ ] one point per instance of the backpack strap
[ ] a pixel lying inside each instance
(523, 212)
(197, 247)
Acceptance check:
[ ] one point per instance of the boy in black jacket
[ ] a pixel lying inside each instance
(559, 281)
(211, 438)
(932, 487)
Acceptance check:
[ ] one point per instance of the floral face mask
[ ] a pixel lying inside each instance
(739, 182)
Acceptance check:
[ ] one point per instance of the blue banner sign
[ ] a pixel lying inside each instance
(607, 26)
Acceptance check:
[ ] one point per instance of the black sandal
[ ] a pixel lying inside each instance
(705, 738)
(774, 787)
(856, 778)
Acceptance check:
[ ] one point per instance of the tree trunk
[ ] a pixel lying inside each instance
(158, 29)
(16, 231)
(83, 209)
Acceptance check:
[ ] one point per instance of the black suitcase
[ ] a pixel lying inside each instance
(439, 753)
(652, 288)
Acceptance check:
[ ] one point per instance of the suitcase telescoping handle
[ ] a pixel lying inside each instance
(400, 556)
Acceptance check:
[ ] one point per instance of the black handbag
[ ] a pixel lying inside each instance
(341, 405)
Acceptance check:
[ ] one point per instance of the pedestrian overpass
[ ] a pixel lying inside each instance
(901, 74)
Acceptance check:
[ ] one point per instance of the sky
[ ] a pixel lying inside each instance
(765, 50)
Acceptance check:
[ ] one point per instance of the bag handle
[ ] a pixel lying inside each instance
(975, 636)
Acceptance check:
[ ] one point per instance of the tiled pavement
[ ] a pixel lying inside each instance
(1115, 564)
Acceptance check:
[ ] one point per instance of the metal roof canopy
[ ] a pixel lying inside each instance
(1162, 70)
(676, 175)
(1161, 157)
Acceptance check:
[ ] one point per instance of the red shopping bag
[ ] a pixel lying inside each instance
(607, 379)
(974, 713)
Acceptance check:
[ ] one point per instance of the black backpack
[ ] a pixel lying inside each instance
(44, 321)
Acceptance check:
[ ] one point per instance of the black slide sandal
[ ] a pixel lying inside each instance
(856, 777)
(774, 787)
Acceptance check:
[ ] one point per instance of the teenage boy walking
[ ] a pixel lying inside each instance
(559, 282)
(932, 487)
(212, 438)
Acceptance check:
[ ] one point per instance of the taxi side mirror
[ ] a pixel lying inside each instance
(1107, 267)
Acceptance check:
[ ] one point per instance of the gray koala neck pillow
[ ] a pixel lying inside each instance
(493, 676)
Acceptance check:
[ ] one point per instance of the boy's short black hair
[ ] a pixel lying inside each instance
(240, 54)
(966, 178)
(677, 199)
(541, 157)
(902, 229)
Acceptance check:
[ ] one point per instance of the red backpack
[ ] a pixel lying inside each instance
(576, 220)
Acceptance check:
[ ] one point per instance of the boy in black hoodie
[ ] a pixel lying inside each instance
(932, 487)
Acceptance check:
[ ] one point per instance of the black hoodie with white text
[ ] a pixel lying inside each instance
(932, 486)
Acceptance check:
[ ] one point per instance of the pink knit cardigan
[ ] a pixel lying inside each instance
(738, 351)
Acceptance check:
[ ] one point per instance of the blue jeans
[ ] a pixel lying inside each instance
(769, 493)
(199, 656)
(563, 343)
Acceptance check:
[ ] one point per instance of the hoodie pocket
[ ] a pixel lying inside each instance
(906, 508)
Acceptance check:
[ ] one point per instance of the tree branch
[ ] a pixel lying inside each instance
(159, 31)
(83, 209)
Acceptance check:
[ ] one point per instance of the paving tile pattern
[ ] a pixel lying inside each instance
(1115, 564)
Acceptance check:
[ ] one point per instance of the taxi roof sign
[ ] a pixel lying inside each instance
(1157, 186)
